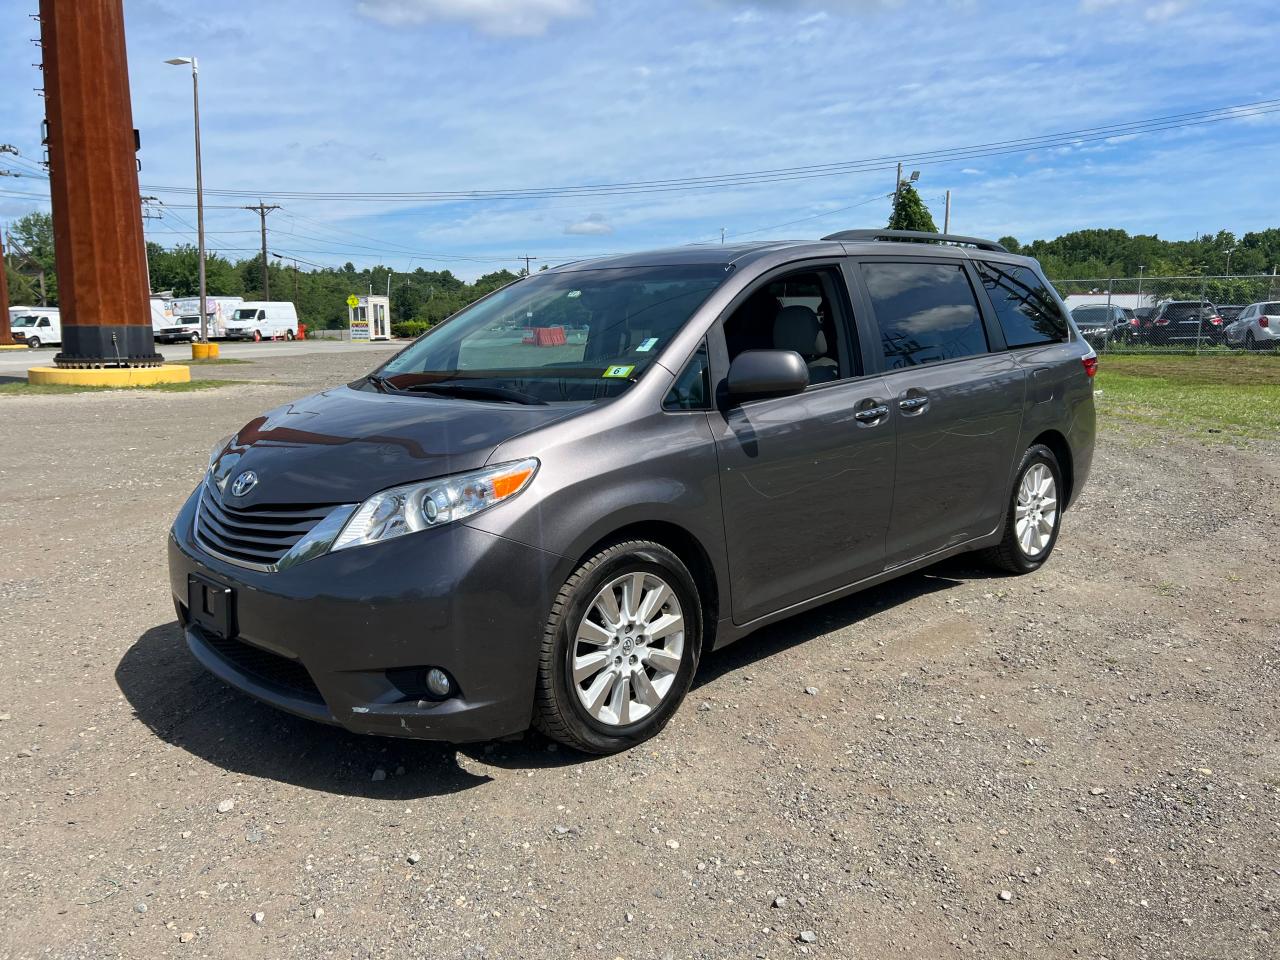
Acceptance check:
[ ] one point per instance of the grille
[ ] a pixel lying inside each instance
(258, 536)
(264, 666)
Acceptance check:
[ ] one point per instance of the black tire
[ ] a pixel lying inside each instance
(33, 343)
(1008, 555)
(1249, 342)
(558, 712)
(288, 334)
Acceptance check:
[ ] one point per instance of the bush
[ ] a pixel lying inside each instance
(409, 329)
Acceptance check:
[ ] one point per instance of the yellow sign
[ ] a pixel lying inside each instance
(353, 301)
(621, 371)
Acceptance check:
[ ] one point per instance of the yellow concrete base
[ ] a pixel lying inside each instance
(14, 346)
(109, 376)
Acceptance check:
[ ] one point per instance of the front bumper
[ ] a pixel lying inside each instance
(334, 639)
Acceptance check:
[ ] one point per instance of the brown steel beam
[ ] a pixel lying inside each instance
(103, 289)
(6, 335)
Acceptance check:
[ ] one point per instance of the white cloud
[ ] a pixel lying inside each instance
(1155, 12)
(501, 17)
(594, 225)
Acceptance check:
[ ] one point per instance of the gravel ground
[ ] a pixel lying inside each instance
(1082, 762)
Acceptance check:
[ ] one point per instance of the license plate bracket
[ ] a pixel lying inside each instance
(212, 606)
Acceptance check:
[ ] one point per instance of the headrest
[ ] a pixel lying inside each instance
(798, 328)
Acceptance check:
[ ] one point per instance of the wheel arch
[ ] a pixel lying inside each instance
(1056, 442)
(692, 554)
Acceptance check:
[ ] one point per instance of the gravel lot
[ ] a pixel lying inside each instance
(1083, 762)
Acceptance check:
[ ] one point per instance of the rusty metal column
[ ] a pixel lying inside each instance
(97, 224)
(6, 335)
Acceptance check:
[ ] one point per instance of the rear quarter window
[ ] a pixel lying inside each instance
(1025, 306)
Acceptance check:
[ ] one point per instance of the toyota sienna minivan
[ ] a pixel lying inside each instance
(548, 508)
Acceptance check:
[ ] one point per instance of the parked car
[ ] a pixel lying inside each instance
(1102, 323)
(483, 534)
(36, 326)
(263, 320)
(1257, 327)
(1184, 322)
(1229, 312)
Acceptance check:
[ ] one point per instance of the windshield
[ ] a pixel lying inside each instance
(24, 321)
(580, 335)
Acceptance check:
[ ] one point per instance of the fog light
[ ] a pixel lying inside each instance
(438, 683)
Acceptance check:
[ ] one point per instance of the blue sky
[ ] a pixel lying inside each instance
(414, 95)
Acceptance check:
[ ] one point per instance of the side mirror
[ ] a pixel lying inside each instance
(766, 373)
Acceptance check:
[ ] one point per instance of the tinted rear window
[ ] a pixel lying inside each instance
(926, 312)
(1025, 306)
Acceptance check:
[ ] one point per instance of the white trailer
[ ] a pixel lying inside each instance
(186, 318)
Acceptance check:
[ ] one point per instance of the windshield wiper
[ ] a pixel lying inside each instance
(382, 384)
(474, 391)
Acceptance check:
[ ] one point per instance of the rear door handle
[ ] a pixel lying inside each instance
(913, 403)
(871, 414)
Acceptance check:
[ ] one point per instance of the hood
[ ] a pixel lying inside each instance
(343, 445)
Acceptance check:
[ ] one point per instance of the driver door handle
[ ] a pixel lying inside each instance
(871, 414)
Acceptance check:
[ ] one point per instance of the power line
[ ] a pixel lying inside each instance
(784, 174)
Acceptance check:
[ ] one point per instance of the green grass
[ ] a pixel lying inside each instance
(1232, 396)
(206, 363)
(20, 388)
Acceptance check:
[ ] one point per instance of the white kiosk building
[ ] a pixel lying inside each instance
(369, 317)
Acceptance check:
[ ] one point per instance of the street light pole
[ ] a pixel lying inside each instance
(195, 100)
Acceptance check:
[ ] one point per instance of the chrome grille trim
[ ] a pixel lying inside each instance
(266, 541)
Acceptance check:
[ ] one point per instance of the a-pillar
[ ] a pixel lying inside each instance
(103, 289)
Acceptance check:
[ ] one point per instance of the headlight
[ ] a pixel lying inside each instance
(433, 503)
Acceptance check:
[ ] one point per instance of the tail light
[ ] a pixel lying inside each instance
(1134, 322)
(1216, 321)
(1264, 322)
(1162, 321)
(1090, 365)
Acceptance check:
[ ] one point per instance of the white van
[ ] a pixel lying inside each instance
(36, 326)
(263, 320)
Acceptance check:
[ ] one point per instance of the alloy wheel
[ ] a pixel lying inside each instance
(628, 649)
(1036, 513)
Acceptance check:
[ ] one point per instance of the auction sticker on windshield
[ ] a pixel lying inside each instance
(623, 371)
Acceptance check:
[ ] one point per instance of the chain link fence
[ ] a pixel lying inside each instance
(1167, 314)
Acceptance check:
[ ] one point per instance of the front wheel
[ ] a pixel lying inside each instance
(33, 343)
(1034, 515)
(288, 334)
(619, 649)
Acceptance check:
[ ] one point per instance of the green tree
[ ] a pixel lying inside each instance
(910, 212)
(30, 252)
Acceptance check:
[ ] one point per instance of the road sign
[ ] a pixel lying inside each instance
(353, 301)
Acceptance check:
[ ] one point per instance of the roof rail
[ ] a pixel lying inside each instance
(916, 235)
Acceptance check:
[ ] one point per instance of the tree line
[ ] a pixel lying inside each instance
(421, 297)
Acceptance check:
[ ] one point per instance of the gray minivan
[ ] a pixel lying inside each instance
(548, 508)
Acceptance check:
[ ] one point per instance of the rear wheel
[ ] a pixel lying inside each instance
(1249, 342)
(1034, 515)
(619, 649)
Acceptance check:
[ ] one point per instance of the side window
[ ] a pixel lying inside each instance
(926, 312)
(804, 312)
(44, 322)
(262, 314)
(692, 389)
(1024, 305)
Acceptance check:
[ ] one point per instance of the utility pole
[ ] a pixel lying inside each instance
(897, 189)
(528, 271)
(262, 209)
(722, 236)
(946, 215)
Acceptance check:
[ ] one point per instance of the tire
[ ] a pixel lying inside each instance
(1249, 342)
(288, 334)
(33, 343)
(560, 710)
(1010, 554)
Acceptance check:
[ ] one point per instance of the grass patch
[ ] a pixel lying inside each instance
(220, 361)
(20, 388)
(1224, 397)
